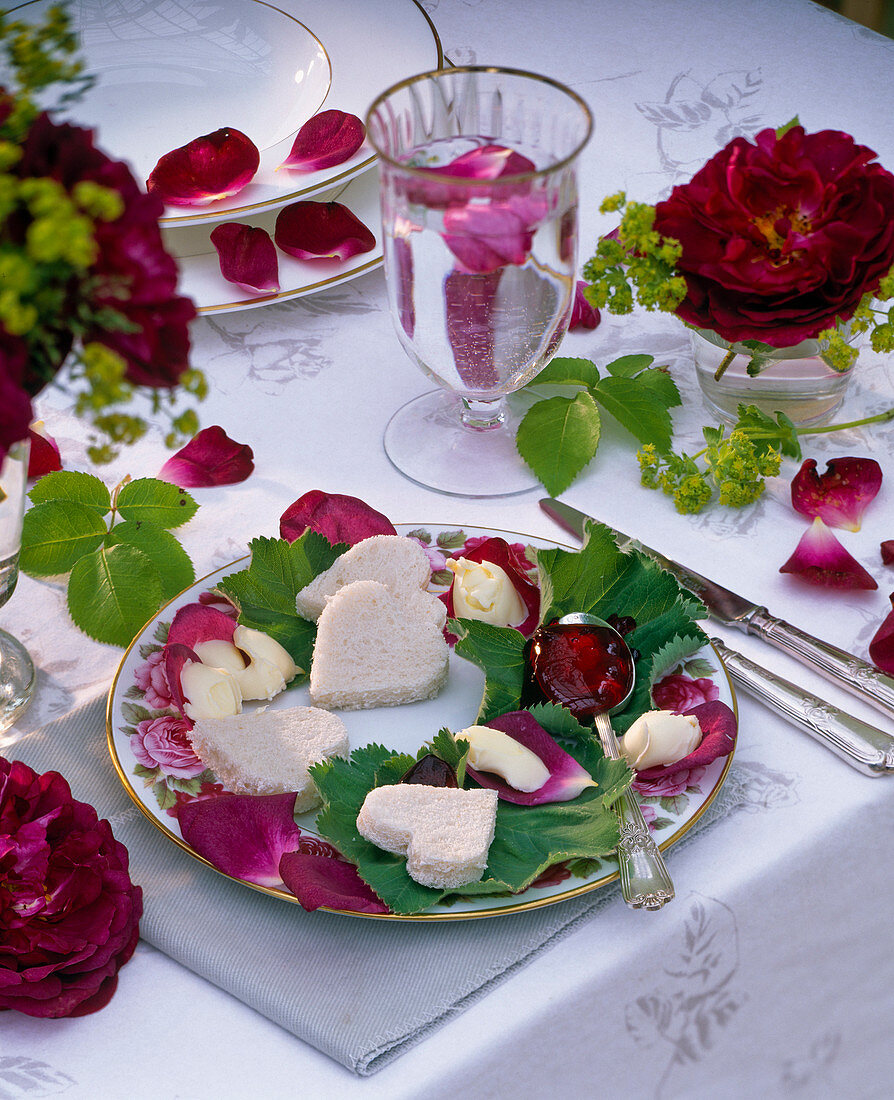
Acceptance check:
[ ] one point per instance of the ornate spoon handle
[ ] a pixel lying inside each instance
(645, 883)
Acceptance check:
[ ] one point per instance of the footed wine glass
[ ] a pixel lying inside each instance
(479, 220)
(16, 668)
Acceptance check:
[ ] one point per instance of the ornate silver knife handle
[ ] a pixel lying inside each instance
(856, 676)
(869, 750)
(645, 882)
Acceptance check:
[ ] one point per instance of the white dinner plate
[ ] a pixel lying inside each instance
(170, 72)
(199, 263)
(403, 729)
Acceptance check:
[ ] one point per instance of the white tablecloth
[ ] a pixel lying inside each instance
(771, 974)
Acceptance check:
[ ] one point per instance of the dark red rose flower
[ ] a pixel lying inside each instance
(69, 914)
(782, 237)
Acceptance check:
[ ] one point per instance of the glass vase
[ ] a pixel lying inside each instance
(16, 668)
(796, 381)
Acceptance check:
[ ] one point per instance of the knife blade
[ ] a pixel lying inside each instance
(844, 669)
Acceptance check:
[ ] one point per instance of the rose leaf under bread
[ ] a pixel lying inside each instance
(265, 591)
(527, 839)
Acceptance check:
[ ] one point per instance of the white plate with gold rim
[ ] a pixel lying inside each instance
(403, 729)
(168, 73)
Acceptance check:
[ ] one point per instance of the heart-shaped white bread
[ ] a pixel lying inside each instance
(269, 752)
(378, 648)
(398, 562)
(445, 832)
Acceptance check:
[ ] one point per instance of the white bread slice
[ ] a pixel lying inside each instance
(445, 832)
(378, 648)
(269, 752)
(398, 562)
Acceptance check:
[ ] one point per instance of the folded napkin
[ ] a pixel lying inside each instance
(337, 982)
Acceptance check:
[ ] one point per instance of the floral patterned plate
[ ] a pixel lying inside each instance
(155, 762)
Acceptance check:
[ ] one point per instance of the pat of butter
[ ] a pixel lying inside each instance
(494, 751)
(483, 591)
(220, 654)
(210, 692)
(660, 737)
(269, 668)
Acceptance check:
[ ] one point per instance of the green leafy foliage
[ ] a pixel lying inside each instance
(122, 566)
(500, 652)
(559, 435)
(265, 592)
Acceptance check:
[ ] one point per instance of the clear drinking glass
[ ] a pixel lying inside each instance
(478, 170)
(16, 669)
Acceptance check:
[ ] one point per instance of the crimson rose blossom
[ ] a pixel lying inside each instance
(783, 237)
(69, 914)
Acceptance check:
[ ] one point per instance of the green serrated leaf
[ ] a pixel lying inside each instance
(675, 804)
(500, 652)
(113, 592)
(168, 556)
(74, 487)
(568, 372)
(451, 540)
(660, 383)
(780, 434)
(557, 437)
(662, 823)
(560, 722)
(421, 534)
(638, 407)
(698, 668)
(56, 534)
(146, 773)
(135, 713)
(165, 797)
(629, 365)
(159, 502)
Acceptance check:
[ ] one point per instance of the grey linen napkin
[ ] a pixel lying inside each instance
(337, 982)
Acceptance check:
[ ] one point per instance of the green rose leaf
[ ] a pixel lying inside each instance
(628, 366)
(564, 371)
(162, 548)
(112, 592)
(75, 487)
(638, 408)
(557, 438)
(56, 534)
(159, 502)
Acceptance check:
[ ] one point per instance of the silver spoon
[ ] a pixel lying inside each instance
(645, 882)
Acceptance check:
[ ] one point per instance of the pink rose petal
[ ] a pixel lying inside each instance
(327, 139)
(485, 238)
(206, 169)
(242, 835)
(679, 693)
(321, 230)
(210, 458)
(887, 549)
(841, 495)
(820, 559)
(583, 315)
(337, 517)
(176, 655)
(196, 622)
(317, 879)
(719, 727)
(567, 778)
(881, 648)
(247, 257)
(489, 162)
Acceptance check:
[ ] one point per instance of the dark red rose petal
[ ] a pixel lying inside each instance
(337, 517)
(820, 559)
(881, 648)
(841, 495)
(719, 728)
(317, 880)
(583, 315)
(887, 548)
(44, 457)
(206, 169)
(498, 552)
(197, 622)
(327, 139)
(247, 256)
(321, 230)
(210, 458)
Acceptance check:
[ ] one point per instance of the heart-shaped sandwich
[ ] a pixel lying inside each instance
(445, 832)
(378, 648)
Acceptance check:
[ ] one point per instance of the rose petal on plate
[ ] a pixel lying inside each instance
(567, 777)
(210, 458)
(44, 457)
(583, 315)
(887, 549)
(321, 231)
(176, 655)
(881, 648)
(197, 622)
(498, 552)
(719, 728)
(317, 880)
(211, 167)
(327, 139)
(337, 517)
(841, 495)
(242, 835)
(247, 256)
(820, 559)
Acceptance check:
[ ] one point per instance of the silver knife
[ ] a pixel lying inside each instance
(864, 747)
